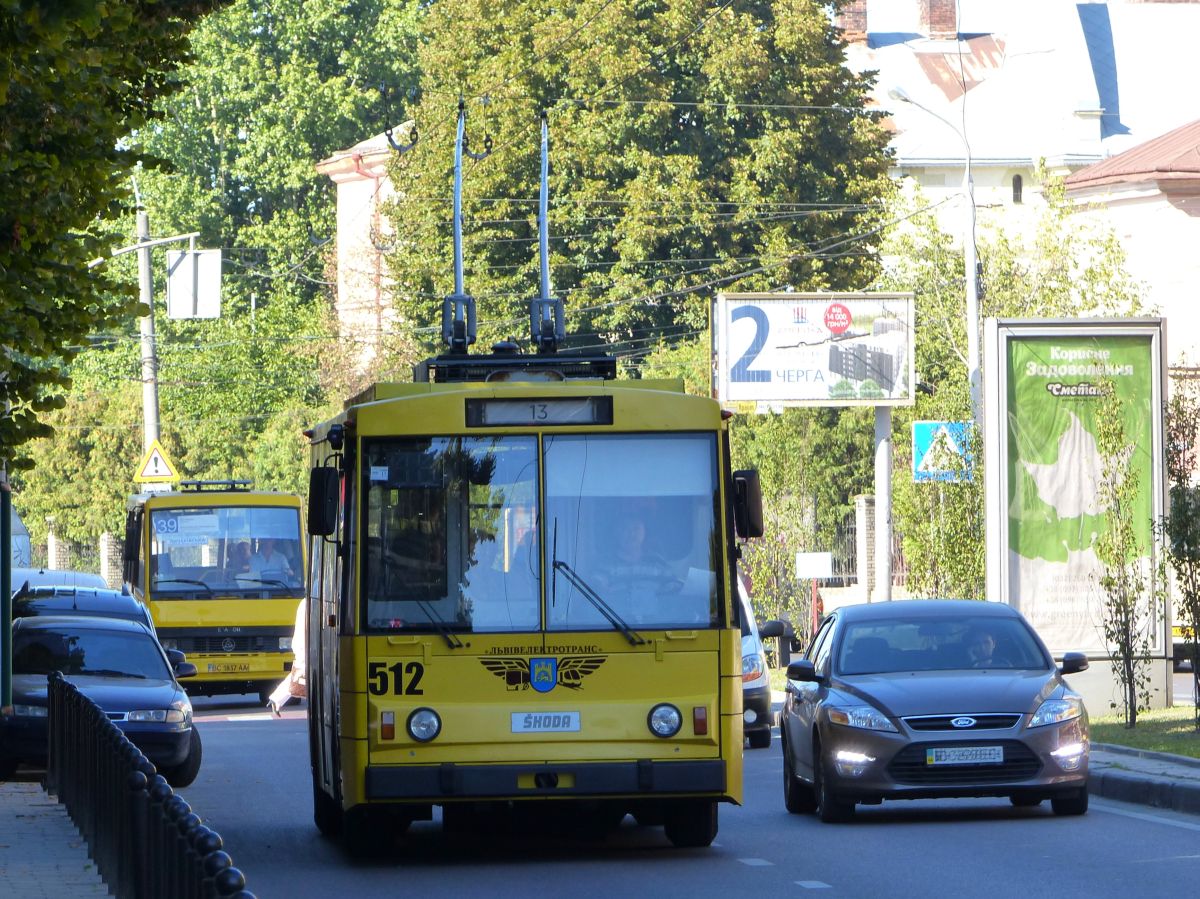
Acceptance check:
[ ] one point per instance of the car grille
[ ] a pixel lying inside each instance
(227, 644)
(943, 722)
(909, 766)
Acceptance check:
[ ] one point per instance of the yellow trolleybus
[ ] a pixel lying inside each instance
(222, 568)
(524, 591)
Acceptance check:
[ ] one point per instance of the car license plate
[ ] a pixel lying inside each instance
(228, 667)
(965, 755)
(545, 722)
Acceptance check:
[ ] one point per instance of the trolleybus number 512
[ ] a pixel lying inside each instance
(384, 678)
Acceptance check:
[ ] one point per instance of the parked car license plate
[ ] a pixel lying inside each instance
(965, 755)
(545, 722)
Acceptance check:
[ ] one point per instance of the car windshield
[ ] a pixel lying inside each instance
(100, 653)
(938, 644)
(247, 551)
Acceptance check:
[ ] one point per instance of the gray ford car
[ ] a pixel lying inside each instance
(931, 698)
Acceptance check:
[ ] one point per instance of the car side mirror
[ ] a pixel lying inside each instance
(803, 670)
(185, 669)
(1073, 663)
(324, 493)
(770, 629)
(176, 657)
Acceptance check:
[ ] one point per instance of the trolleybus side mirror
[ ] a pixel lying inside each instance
(323, 494)
(747, 503)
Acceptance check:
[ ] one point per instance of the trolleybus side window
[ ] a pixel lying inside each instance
(631, 520)
(448, 527)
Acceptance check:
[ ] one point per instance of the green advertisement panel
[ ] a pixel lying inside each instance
(1055, 388)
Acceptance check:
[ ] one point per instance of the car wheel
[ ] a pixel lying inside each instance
(183, 774)
(1025, 801)
(760, 739)
(691, 823)
(797, 796)
(1073, 804)
(831, 808)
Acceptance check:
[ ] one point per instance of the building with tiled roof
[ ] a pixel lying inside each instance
(1150, 196)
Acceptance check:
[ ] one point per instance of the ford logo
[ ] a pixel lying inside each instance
(962, 721)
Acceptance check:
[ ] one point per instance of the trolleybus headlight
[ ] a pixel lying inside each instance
(424, 725)
(664, 720)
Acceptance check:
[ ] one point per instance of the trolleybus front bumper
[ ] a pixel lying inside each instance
(640, 778)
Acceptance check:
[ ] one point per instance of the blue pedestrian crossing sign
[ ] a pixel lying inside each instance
(941, 451)
(155, 467)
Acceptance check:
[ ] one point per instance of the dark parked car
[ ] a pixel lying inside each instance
(101, 602)
(55, 577)
(120, 665)
(931, 698)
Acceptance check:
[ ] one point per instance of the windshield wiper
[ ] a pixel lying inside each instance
(108, 672)
(271, 582)
(182, 580)
(442, 628)
(634, 638)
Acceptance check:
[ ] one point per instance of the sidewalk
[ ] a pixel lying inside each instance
(1147, 778)
(42, 854)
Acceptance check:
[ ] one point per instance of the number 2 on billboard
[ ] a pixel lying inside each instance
(762, 326)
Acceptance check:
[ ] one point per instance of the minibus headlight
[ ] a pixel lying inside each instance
(285, 644)
(664, 720)
(424, 725)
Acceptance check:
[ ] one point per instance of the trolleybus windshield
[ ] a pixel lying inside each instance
(245, 551)
(455, 539)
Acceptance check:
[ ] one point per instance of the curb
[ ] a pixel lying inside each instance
(1145, 789)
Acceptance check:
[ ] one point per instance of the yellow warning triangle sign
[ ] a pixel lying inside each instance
(155, 466)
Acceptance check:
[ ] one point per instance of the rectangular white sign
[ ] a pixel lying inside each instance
(815, 349)
(545, 722)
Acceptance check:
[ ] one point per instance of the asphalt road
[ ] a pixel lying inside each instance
(254, 790)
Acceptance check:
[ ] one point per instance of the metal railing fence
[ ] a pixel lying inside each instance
(144, 838)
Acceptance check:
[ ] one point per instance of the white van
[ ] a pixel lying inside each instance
(757, 715)
(22, 549)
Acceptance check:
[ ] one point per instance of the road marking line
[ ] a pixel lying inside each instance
(813, 885)
(1144, 816)
(756, 862)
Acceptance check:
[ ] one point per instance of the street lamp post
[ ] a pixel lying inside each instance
(969, 261)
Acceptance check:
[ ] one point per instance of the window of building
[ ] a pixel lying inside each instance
(1016, 186)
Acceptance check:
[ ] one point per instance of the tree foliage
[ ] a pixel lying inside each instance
(274, 86)
(1181, 525)
(75, 77)
(1130, 591)
(692, 148)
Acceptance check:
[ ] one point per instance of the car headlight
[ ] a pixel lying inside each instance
(31, 711)
(424, 725)
(753, 666)
(863, 716)
(664, 720)
(158, 716)
(1055, 711)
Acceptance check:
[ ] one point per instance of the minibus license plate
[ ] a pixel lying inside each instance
(545, 722)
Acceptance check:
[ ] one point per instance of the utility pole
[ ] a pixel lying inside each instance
(146, 323)
(149, 354)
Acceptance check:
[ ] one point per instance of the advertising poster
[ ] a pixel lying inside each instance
(1053, 394)
(814, 349)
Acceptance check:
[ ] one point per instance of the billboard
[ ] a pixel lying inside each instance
(814, 349)
(1045, 384)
